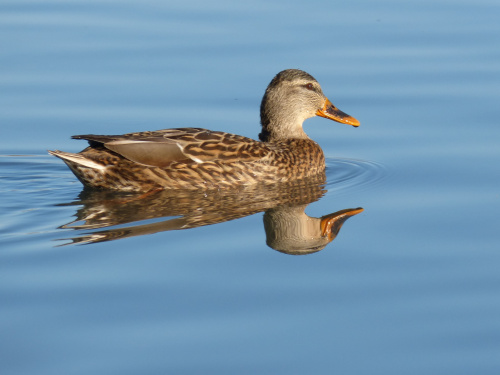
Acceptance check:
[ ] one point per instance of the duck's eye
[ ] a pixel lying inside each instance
(309, 86)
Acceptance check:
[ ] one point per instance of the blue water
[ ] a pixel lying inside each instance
(409, 286)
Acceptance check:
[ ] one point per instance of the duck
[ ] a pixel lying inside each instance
(197, 158)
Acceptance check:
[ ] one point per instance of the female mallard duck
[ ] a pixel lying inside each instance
(199, 158)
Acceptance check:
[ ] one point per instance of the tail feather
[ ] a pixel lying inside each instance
(77, 160)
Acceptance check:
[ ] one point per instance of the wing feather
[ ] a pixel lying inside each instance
(189, 145)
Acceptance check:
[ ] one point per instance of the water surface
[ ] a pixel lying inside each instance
(410, 285)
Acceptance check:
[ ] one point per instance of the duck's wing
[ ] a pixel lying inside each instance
(189, 145)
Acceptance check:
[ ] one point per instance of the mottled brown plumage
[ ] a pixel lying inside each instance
(193, 158)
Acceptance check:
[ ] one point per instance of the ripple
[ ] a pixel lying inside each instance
(37, 173)
(343, 173)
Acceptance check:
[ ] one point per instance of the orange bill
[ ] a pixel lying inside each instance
(333, 113)
(331, 224)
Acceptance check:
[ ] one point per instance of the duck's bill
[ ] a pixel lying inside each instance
(331, 224)
(333, 113)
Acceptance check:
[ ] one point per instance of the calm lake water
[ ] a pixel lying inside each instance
(195, 285)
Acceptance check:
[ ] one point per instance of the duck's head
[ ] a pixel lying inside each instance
(292, 97)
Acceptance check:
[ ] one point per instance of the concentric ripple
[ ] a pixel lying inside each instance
(343, 173)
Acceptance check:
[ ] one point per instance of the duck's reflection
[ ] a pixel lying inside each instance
(288, 228)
